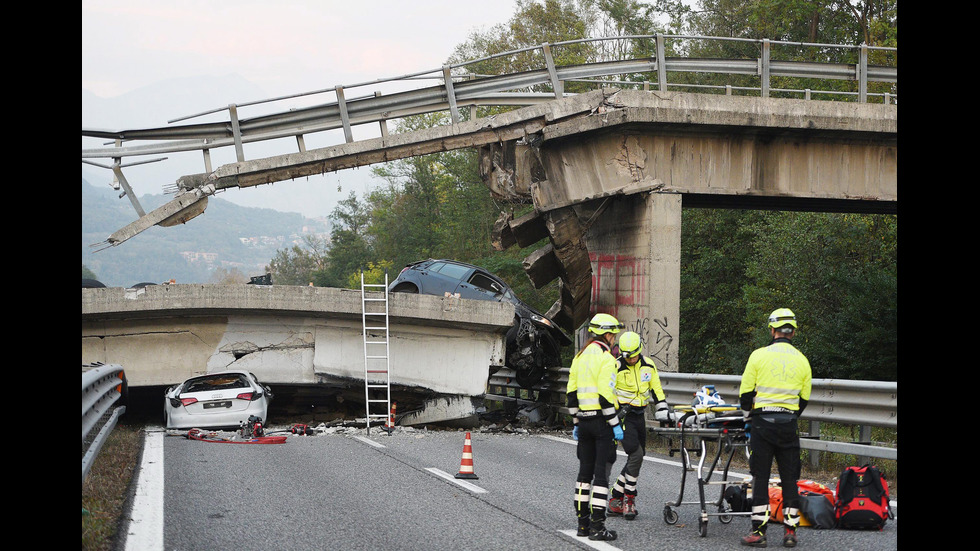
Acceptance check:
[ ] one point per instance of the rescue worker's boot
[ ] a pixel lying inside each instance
(598, 532)
(755, 539)
(789, 538)
(791, 519)
(583, 526)
(615, 507)
(760, 521)
(583, 491)
(629, 507)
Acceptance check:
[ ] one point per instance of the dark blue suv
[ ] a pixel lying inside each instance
(533, 344)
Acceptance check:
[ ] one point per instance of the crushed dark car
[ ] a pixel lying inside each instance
(533, 344)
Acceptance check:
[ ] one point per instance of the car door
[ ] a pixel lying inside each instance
(432, 280)
(481, 286)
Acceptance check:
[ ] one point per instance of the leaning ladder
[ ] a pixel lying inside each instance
(377, 379)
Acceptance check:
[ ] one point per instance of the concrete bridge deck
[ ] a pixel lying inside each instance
(442, 349)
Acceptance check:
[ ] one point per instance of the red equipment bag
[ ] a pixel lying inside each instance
(862, 499)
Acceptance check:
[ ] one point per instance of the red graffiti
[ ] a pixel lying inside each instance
(619, 285)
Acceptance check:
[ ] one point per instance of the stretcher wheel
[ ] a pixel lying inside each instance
(670, 515)
(702, 528)
(725, 519)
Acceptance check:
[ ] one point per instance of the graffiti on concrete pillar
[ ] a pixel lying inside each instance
(659, 346)
(619, 287)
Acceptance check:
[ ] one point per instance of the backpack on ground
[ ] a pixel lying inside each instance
(862, 499)
(738, 498)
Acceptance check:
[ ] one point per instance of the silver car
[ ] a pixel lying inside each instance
(224, 399)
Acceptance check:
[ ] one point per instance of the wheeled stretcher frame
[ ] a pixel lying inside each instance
(729, 432)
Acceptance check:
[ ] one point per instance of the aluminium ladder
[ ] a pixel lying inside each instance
(377, 379)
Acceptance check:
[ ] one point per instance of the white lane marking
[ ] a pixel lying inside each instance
(368, 441)
(145, 530)
(601, 545)
(469, 486)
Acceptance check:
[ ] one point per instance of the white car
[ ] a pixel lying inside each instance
(224, 399)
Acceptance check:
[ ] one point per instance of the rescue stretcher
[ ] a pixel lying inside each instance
(696, 426)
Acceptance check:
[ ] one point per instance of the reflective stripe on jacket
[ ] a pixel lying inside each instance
(634, 384)
(780, 376)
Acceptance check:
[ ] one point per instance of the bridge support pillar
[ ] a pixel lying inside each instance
(635, 247)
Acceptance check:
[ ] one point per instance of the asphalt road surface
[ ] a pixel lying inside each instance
(349, 491)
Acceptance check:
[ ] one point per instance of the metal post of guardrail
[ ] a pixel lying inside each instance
(661, 65)
(344, 119)
(383, 123)
(862, 76)
(764, 67)
(236, 132)
(104, 394)
(117, 172)
(814, 432)
(552, 72)
(450, 93)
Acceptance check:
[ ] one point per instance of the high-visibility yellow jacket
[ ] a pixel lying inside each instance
(638, 384)
(592, 383)
(776, 376)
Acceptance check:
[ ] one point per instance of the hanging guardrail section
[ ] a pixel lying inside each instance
(104, 395)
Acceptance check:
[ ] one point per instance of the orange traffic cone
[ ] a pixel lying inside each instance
(390, 426)
(466, 465)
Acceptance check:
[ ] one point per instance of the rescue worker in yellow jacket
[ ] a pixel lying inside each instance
(775, 389)
(592, 403)
(637, 384)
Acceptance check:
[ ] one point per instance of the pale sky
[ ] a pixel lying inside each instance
(284, 47)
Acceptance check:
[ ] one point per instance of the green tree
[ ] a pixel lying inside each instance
(838, 273)
(299, 265)
(716, 245)
(88, 274)
(350, 251)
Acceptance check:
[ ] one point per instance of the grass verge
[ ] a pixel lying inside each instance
(106, 488)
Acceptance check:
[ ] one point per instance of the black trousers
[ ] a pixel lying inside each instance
(634, 444)
(595, 442)
(775, 437)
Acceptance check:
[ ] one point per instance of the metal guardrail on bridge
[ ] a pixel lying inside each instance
(104, 395)
(460, 87)
(864, 403)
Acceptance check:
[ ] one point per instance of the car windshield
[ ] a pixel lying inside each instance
(217, 382)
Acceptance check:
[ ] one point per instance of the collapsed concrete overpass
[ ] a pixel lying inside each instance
(608, 173)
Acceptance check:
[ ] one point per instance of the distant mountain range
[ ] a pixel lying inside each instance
(225, 236)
